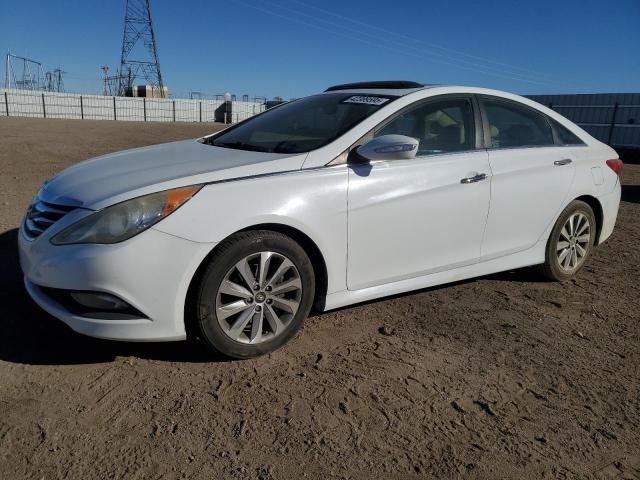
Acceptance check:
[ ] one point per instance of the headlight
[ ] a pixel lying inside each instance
(124, 220)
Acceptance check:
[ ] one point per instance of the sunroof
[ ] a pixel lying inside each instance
(387, 84)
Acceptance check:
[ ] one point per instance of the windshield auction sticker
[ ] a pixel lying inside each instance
(377, 101)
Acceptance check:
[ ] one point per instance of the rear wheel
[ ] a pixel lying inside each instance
(255, 293)
(571, 242)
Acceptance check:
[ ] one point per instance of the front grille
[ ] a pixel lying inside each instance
(42, 215)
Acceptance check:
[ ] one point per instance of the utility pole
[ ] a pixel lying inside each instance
(105, 70)
(139, 64)
(7, 78)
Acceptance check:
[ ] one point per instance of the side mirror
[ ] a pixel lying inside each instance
(388, 147)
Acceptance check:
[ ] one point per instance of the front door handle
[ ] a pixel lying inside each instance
(564, 161)
(476, 178)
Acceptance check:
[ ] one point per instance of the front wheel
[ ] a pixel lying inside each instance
(255, 293)
(571, 242)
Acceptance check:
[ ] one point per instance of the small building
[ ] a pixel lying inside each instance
(148, 91)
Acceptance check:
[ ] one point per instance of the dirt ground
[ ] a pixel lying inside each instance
(506, 376)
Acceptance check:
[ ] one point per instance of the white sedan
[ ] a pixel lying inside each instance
(363, 191)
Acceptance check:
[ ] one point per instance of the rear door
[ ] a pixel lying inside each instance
(531, 176)
(409, 218)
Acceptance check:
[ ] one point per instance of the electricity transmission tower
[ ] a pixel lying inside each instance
(22, 73)
(139, 62)
(53, 81)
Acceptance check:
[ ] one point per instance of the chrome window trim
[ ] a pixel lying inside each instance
(531, 147)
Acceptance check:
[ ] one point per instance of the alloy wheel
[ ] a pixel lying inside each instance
(573, 242)
(258, 297)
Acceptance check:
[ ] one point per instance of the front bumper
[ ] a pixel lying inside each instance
(151, 271)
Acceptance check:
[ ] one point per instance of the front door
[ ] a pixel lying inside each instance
(408, 218)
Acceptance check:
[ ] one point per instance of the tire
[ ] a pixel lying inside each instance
(240, 320)
(564, 260)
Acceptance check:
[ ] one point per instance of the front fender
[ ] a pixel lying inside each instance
(312, 201)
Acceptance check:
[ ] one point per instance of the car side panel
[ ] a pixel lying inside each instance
(524, 258)
(312, 201)
(595, 179)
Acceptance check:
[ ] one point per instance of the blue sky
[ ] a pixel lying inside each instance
(297, 47)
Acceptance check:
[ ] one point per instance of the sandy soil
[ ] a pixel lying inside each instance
(506, 376)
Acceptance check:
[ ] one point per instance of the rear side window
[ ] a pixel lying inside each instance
(441, 126)
(514, 126)
(565, 136)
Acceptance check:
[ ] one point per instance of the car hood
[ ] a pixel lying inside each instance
(116, 177)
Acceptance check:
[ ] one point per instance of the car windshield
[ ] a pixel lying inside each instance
(301, 125)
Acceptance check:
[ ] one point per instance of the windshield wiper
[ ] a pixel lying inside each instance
(241, 146)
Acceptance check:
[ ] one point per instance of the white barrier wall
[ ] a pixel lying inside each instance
(612, 118)
(27, 103)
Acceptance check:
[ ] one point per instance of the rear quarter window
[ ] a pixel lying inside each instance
(564, 135)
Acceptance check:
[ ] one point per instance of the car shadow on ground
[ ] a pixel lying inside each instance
(631, 193)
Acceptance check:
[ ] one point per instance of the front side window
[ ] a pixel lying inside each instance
(302, 125)
(513, 126)
(441, 126)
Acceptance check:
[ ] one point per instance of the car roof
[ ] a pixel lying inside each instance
(363, 88)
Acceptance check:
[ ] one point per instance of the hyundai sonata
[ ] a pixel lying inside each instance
(362, 191)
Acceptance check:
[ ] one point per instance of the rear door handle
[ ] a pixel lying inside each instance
(564, 161)
(476, 178)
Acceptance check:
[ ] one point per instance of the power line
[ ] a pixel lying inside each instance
(423, 55)
(432, 45)
(404, 45)
(393, 49)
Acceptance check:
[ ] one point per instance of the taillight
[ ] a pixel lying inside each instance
(615, 165)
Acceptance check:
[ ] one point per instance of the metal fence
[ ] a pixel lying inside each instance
(613, 118)
(27, 103)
